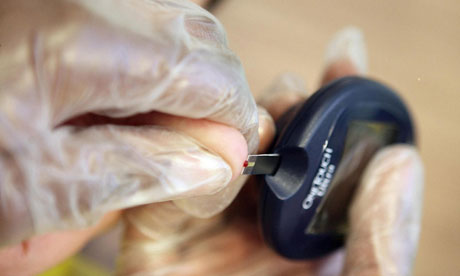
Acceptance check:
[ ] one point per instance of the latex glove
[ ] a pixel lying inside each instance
(384, 218)
(94, 101)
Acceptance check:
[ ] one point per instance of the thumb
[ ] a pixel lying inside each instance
(385, 215)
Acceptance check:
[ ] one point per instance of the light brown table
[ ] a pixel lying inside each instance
(413, 45)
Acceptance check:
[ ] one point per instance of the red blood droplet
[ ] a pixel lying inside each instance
(245, 164)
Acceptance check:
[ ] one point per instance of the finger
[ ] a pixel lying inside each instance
(92, 171)
(346, 55)
(205, 206)
(208, 205)
(148, 57)
(42, 252)
(125, 58)
(226, 142)
(385, 215)
(165, 162)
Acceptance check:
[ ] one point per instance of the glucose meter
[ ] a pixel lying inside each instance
(322, 149)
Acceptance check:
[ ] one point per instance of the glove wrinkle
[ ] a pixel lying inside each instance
(117, 59)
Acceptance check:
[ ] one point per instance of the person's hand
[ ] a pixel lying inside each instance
(384, 218)
(106, 105)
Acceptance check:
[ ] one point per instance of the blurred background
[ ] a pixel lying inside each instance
(413, 46)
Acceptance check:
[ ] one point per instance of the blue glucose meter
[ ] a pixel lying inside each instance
(323, 146)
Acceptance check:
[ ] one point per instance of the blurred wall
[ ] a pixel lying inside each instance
(414, 46)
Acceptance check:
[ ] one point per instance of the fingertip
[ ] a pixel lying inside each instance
(346, 55)
(348, 44)
(225, 141)
(235, 151)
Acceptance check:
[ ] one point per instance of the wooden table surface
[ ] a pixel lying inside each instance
(414, 46)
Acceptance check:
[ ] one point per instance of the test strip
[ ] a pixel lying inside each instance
(261, 164)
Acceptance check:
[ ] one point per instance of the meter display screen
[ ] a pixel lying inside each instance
(363, 140)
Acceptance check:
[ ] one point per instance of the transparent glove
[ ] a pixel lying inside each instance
(161, 239)
(106, 105)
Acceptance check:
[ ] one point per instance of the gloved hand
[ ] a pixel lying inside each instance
(106, 105)
(161, 239)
